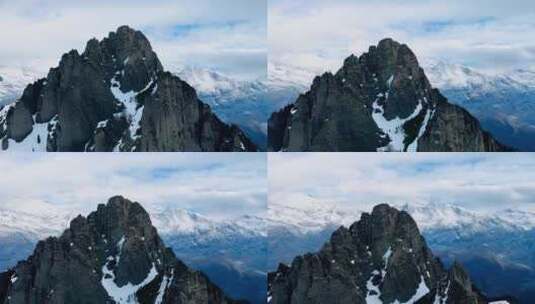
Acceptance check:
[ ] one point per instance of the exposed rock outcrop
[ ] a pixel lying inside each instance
(382, 258)
(115, 96)
(380, 101)
(114, 255)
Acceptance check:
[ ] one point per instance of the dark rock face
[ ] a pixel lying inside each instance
(381, 101)
(380, 259)
(113, 256)
(114, 96)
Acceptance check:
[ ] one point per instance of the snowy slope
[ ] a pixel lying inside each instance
(315, 216)
(220, 88)
(13, 80)
(446, 75)
(32, 226)
(309, 218)
(281, 76)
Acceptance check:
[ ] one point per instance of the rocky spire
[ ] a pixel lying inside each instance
(112, 255)
(380, 101)
(382, 258)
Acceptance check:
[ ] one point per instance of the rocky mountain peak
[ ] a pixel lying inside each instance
(115, 96)
(380, 101)
(382, 258)
(114, 255)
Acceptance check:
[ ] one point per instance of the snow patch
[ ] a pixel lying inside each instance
(413, 147)
(374, 293)
(36, 140)
(389, 81)
(394, 127)
(132, 111)
(125, 294)
(102, 124)
(421, 291)
(163, 287)
(386, 257)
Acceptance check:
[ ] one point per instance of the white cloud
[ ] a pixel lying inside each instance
(493, 35)
(478, 181)
(38, 32)
(217, 185)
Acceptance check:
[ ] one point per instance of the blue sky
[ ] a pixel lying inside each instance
(492, 35)
(483, 182)
(227, 36)
(216, 185)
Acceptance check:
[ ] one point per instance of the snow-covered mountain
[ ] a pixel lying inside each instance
(20, 231)
(13, 80)
(297, 79)
(220, 88)
(315, 216)
(504, 103)
(310, 217)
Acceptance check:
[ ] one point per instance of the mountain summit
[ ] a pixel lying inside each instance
(115, 96)
(114, 255)
(382, 258)
(380, 101)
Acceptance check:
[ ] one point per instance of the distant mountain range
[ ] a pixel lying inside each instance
(13, 80)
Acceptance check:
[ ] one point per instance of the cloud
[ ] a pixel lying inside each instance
(182, 32)
(477, 181)
(216, 185)
(491, 35)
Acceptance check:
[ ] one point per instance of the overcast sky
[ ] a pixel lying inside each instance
(481, 182)
(218, 185)
(228, 36)
(493, 35)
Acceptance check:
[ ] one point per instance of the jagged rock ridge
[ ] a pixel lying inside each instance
(114, 255)
(115, 96)
(380, 101)
(382, 258)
